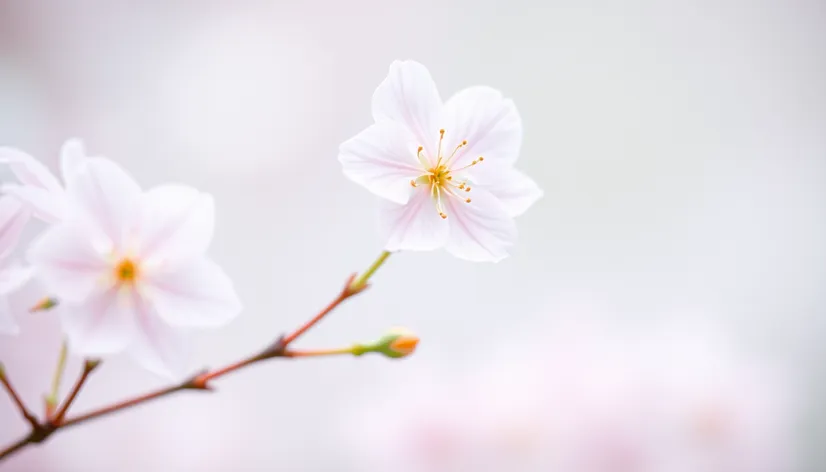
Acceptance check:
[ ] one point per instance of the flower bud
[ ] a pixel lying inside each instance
(396, 343)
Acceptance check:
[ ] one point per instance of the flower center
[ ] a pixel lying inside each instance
(439, 176)
(126, 271)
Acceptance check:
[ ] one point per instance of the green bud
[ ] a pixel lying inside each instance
(396, 343)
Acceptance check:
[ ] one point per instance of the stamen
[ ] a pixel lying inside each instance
(412, 183)
(439, 150)
(467, 201)
(460, 146)
(439, 207)
(126, 271)
(467, 189)
(422, 159)
(473, 163)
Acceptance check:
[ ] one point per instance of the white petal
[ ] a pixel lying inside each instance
(103, 324)
(490, 124)
(382, 158)
(158, 347)
(408, 96)
(515, 190)
(107, 198)
(14, 275)
(7, 323)
(13, 218)
(48, 206)
(198, 294)
(177, 223)
(72, 158)
(29, 170)
(415, 226)
(67, 262)
(480, 231)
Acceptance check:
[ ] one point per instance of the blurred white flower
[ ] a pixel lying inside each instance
(13, 218)
(444, 171)
(581, 401)
(130, 269)
(38, 187)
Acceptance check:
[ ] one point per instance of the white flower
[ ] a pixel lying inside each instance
(13, 218)
(130, 267)
(446, 170)
(38, 188)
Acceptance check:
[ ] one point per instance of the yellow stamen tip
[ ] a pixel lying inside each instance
(467, 189)
(481, 158)
(412, 183)
(464, 143)
(468, 200)
(441, 131)
(421, 148)
(444, 216)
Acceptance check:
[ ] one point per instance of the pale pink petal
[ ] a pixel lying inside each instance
(408, 96)
(415, 226)
(13, 275)
(487, 121)
(103, 324)
(383, 159)
(48, 206)
(7, 323)
(107, 198)
(198, 294)
(29, 170)
(13, 218)
(66, 260)
(177, 223)
(481, 230)
(72, 158)
(515, 190)
(158, 347)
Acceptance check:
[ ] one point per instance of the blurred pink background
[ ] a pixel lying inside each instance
(680, 146)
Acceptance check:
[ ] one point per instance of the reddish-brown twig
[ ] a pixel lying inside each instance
(88, 367)
(41, 431)
(28, 415)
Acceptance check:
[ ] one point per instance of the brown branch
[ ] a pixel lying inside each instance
(88, 367)
(27, 414)
(40, 432)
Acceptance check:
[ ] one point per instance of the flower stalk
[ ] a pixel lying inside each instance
(60, 419)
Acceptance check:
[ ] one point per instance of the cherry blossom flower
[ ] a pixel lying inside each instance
(445, 171)
(13, 218)
(38, 187)
(130, 269)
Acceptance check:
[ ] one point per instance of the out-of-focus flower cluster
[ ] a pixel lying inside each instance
(128, 266)
(580, 400)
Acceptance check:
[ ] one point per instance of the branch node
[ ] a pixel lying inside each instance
(199, 381)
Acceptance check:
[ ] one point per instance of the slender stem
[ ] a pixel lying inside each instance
(28, 415)
(320, 352)
(121, 405)
(355, 284)
(88, 367)
(20, 444)
(51, 400)
(362, 279)
(306, 326)
(40, 432)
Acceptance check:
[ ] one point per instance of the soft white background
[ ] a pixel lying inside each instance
(681, 146)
